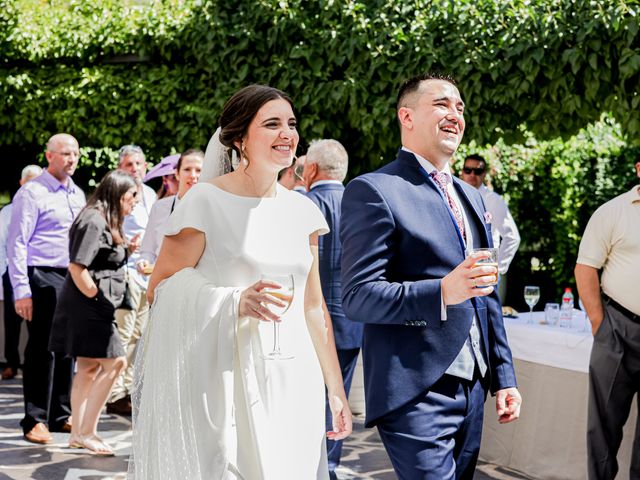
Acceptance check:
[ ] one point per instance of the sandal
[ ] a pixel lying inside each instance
(96, 446)
(75, 441)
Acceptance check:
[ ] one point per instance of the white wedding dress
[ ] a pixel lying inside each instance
(207, 405)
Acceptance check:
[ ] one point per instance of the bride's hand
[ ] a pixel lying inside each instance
(341, 416)
(253, 302)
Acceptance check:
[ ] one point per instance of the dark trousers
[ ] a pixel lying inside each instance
(437, 436)
(12, 325)
(347, 359)
(614, 379)
(46, 376)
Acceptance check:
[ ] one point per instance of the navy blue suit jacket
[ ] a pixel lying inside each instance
(328, 197)
(399, 240)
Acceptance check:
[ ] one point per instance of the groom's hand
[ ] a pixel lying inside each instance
(460, 284)
(508, 402)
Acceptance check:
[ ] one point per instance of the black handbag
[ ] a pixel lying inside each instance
(127, 300)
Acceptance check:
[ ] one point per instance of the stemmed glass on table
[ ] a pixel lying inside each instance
(285, 295)
(531, 296)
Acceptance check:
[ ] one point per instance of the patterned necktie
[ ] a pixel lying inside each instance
(442, 180)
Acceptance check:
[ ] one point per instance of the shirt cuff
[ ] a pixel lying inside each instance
(22, 291)
(443, 308)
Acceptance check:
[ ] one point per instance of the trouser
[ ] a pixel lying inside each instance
(614, 379)
(437, 435)
(348, 358)
(46, 375)
(12, 325)
(131, 324)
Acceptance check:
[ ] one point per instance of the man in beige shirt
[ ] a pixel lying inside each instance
(611, 243)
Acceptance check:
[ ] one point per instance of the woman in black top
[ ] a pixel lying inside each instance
(84, 323)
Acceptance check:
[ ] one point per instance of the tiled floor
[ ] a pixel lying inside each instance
(363, 455)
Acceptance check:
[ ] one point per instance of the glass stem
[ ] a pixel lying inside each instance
(530, 314)
(276, 337)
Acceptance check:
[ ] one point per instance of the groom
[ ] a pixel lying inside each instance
(434, 343)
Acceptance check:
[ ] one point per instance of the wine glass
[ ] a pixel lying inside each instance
(531, 296)
(285, 295)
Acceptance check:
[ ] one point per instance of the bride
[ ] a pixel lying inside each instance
(208, 403)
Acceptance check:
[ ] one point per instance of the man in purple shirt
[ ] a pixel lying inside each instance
(38, 253)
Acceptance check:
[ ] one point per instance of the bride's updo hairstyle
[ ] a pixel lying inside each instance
(240, 110)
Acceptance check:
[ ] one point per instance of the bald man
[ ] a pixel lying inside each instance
(38, 254)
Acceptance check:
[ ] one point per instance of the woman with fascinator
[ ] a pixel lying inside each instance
(213, 401)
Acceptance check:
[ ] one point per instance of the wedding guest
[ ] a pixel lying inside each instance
(166, 169)
(212, 401)
(38, 253)
(324, 171)
(84, 325)
(434, 344)
(131, 322)
(188, 170)
(607, 279)
(291, 177)
(503, 228)
(12, 321)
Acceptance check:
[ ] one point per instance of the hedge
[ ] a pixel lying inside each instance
(553, 65)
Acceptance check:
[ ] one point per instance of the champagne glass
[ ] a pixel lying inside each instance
(531, 296)
(285, 294)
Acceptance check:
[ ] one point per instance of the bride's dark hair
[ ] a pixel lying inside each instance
(240, 109)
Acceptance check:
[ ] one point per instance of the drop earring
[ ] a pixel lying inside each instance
(245, 160)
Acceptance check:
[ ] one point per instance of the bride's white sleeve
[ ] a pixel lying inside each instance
(191, 212)
(312, 217)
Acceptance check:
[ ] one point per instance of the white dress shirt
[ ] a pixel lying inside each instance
(503, 228)
(136, 223)
(156, 226)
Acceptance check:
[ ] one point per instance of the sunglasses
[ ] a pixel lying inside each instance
(476, 171)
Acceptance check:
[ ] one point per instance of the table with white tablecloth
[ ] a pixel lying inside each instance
(549, 439)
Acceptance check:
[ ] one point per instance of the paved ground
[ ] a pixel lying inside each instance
(363, 455)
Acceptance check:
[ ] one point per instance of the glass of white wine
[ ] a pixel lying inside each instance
(531, 296)
(285, 295)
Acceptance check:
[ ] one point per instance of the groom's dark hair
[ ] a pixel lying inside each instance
(413, 84)
(240, 110)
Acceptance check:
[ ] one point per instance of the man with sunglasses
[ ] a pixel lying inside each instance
(503, 228)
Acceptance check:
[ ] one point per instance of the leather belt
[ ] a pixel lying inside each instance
(626, 312)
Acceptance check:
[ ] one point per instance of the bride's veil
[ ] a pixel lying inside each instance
(216, 159)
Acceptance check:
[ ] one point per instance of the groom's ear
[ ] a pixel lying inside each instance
(405, 117)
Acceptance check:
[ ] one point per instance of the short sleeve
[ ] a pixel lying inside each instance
(84, 238)
(189, 212)
(313, 218)
(596, 240)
